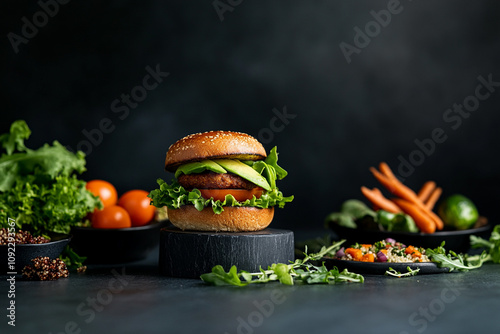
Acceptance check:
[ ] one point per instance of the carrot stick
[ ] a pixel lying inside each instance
(384, 168)
(433, 198)
(378, 192)
(423, 221)
(379, 200)
(399, 189)
(426, 190)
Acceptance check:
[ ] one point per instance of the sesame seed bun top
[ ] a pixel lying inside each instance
(213, 145)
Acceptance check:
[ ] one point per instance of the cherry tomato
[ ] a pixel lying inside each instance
(105, 190)
(240, 195)
(136, 202)
(112, 216)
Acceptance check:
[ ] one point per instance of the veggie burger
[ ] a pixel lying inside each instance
(224, 181)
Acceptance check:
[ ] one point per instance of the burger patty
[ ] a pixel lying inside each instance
(211, 180)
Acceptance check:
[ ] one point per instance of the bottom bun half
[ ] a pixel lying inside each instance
(232, 219)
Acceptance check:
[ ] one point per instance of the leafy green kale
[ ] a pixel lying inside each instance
(174, 195)
(39, 188)
(300, 271)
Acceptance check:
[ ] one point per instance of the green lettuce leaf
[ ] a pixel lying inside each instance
(39, 188)
(50, 160)
(47, 207)
(174, 196)
(19, 131)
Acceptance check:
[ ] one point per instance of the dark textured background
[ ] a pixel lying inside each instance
(231, 74)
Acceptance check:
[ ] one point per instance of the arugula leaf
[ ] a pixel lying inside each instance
(492, 245)
(454, 261)
(300, 271)
(219, 277)
(395, 273)
(282, 272)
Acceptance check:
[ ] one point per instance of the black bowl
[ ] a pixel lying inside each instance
(119, 245)
(25, 252)
(457, 241)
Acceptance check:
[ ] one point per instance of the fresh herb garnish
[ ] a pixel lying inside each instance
(454, 261)
(300, 271)
(492, 246)
(395, 273)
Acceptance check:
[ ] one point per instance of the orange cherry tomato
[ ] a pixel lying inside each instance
(112, 216)
(240, 195)
(105, 190)
(136, 202)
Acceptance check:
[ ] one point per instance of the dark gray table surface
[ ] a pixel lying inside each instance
(133, 298)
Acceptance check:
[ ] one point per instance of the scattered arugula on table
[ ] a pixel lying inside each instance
(302, 271)
(395, 273)
(313, 245)
(453, 261)
(492, 245)
(465, 262)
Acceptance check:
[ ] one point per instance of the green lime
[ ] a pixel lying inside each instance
(458, 211)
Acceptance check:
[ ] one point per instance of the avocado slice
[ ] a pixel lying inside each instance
(199, 167)
(248, 173)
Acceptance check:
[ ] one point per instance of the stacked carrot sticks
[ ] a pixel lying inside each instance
(418, 206)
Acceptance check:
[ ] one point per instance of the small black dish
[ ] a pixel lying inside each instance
(457, 241)
(24, 253)
(118, 245)
(379, 268)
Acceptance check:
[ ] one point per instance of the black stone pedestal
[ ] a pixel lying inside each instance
(189, 254)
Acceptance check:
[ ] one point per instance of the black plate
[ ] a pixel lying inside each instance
(454, 240)
(118, 245)
(379, 268)
(26, 252)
